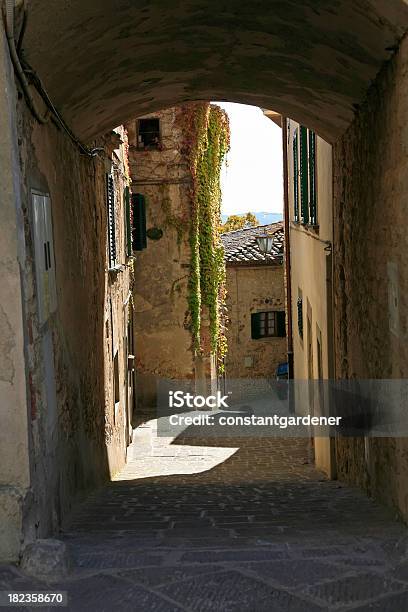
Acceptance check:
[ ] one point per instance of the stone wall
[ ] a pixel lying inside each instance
(163, 342)
(370, 194)
(77, 434)
(253, 289)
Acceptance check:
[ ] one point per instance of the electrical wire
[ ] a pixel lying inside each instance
(22, 69)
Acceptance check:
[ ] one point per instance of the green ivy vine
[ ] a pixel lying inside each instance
(206, 142)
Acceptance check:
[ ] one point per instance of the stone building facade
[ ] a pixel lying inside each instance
(160, 154)
(347, 80)
(160, 171)
(310, 203)
(64, 321)
(370, 182)
(256, 331)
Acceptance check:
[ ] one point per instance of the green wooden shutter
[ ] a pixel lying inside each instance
(280, 324)
(295, 177)
(255, 325)
(304, 176)
(139, 239)
(312, 178)
(128, 223)
(300, 316)
(110, 202)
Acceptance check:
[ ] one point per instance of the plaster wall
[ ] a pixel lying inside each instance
(371, 271)
(311, 273)
(249, 290)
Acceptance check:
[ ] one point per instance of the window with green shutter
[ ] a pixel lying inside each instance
(128, 222)
(295, 177)
(139, 237)
(312, 178)
(304, 176)
(280, 323)
(268, 324)
(300, 316)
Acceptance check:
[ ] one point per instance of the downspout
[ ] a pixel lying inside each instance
(287, 247)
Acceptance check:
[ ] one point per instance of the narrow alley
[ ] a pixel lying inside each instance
(203, 210)
(260, 530)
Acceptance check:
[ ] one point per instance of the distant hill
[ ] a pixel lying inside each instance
(264, 218)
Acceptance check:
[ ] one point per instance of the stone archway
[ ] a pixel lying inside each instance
(104, 61)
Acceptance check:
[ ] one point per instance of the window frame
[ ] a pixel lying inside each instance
(152, 146)
(259, 332)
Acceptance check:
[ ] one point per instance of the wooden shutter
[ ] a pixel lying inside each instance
(312, 178)
(255, 325)
(300, 316)
(139, 238)
(128, 222)
(110, 201)
(280, 324)
(304, 176)
(295, 177)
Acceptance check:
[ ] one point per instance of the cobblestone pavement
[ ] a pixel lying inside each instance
(230, 525)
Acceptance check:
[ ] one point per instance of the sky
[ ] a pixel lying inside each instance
(252, 180)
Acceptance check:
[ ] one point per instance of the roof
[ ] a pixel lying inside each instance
(241, 247)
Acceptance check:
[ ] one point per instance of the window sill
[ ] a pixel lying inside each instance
(308, 227)
(268, 338)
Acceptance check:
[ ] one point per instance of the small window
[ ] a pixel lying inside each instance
(268, 324)
(148, 134)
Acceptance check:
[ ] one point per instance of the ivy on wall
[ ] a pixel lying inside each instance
(206, 141)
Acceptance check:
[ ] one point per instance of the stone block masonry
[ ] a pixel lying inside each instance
(371, 320)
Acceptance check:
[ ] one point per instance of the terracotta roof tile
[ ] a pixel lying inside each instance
(241, 247)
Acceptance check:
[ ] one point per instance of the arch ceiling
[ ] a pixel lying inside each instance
(104, 61)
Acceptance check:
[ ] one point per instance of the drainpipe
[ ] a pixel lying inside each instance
(287, 246)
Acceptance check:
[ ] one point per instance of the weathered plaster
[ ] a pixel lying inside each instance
(104, 62)
(14, 463)
(76, 439)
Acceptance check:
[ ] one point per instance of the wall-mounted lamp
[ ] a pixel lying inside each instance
(265, 243)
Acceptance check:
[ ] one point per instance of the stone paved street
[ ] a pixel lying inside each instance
(232, 526)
